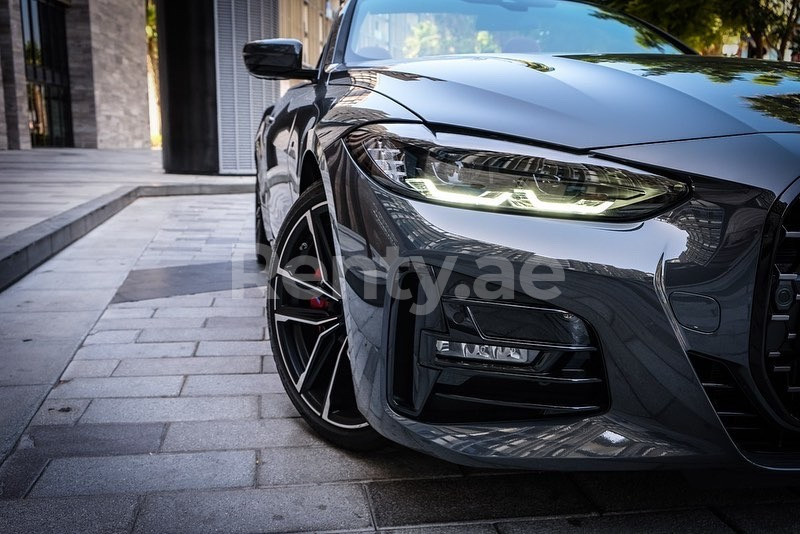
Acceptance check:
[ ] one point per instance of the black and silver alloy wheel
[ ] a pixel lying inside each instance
(307, 329)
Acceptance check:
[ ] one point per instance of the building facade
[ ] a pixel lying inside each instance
(74, 73)
(210, 105)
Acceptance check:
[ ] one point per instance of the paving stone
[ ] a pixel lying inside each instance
(87, 388)
(288, 466)
(64, 300)
(662, 490)
(86, 279)
(19, 472)
(28, 361)
(268, 365)
(170, 409)
(300, 509)
(127, 313)
(89, 369)
(112, 336)
(234, 322)
(93, 440)
(45, 325)
(189, 366)
(474, 499)
(60, 412)
(220, 435)
(253, 384)
(144, 473)
(277, 405)
(471, 528)
(243, 311)
(136, 350)
(96, 515)
(235, 302)
(233, 348)
(201, 334)
(772, 518)
(688, 521)
(183, 301)
(138, 324)
(19, 403)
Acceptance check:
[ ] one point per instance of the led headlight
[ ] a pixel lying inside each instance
(491, 174)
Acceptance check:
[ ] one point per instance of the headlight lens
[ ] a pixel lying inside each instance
(484, 174)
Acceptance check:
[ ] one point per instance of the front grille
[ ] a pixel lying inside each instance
(780, 355)
(746, 425)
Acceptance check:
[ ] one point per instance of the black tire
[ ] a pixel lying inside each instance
(262, 243)
(306, 325)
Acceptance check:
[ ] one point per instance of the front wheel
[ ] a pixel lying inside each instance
(307, 330)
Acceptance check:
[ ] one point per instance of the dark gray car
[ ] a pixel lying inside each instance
(533, 234)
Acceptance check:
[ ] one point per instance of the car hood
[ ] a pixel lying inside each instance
(587, 102)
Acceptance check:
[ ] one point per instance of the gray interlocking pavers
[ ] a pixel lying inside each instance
(239, 348)
(186, 301)
(459, 528)
(189, 366)
(178, 311)
(112, 336)
(170, 409)
(663, 490)
(688, 521)
(96, 515)
(136, 350)
(112, 314)
(89, 369)
(399, 503)
(201, 334)
(254, 384)
(303, 509)
(310, 465)
(93, 440)
(29, 361)
(86, 388)
(60, 411)
(221, 435)
(19, 472)
(18, 403)
(146, 473)
(234, 322)
(277, 405)
(139, 324)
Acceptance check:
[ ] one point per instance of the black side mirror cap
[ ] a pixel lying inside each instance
(277, 59)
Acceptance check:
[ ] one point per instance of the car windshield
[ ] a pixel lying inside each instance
(408, 29)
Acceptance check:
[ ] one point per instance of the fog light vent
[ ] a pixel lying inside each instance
(493, 353)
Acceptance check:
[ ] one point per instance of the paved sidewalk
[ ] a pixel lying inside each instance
(162, 412)
(36, 185)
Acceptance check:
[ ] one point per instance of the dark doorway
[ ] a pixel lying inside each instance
(47, 72)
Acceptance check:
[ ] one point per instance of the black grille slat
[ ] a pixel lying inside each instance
(781, 353)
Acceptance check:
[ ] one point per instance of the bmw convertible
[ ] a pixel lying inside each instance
(533, 234)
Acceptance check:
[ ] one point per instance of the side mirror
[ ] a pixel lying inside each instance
(276, 59)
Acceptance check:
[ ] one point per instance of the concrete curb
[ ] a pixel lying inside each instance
(22, 252)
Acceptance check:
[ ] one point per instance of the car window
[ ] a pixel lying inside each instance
(392, 30)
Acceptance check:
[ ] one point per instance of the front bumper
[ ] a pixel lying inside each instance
(655, 293)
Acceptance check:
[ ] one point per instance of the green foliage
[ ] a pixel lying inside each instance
(447, 35)
(703, 25)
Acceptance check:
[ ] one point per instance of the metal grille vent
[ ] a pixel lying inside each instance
(241, 99)
(781, 345)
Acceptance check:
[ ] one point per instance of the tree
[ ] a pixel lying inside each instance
(769, 23)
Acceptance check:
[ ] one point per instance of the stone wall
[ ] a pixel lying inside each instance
(81, 74)
(12, 61)
(3, 127)
(119, 62)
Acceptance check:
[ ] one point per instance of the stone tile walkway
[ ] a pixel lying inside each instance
(164, 414)
(36, 185)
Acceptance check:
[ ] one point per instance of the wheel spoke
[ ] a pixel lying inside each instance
(316, 359)
(326, 408)
(293, 314)
(308, 286)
